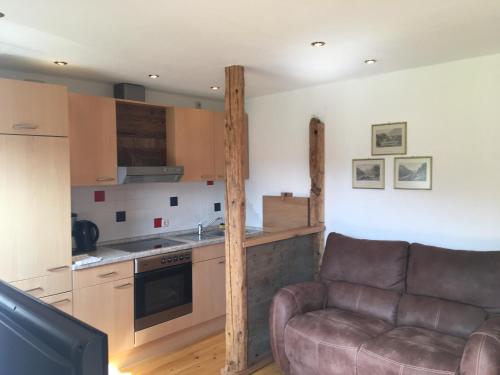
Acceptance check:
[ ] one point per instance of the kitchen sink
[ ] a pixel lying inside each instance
(206, 235)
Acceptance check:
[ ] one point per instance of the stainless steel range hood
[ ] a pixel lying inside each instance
(131, 175)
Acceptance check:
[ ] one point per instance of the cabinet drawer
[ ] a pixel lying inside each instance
(103, 274)
(31, 108)
(203, 253)
(63, 302)
(56, 283)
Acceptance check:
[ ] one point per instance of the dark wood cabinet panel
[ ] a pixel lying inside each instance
(141, 135)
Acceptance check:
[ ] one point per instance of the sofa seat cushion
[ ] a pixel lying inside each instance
(327, 341)
(411, 351)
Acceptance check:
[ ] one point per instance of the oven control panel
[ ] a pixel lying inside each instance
(162, 261)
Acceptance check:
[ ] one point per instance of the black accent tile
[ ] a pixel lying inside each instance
(217, 207)
(121, 216)
(174, 201)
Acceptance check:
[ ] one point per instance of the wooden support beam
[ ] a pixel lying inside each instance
(317, 194)
(236, 281)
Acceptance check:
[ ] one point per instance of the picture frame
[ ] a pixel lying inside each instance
(389, 139)
(413, 173)
(368, 173)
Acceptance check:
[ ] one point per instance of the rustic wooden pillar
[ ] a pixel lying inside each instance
(317, 194)
(236, 281)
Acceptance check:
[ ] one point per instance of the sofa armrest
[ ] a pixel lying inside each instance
(290, 301)
(482, 351)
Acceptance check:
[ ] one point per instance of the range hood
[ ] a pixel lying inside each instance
(131, 175)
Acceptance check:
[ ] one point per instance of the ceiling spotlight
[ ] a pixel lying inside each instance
(318, 44)
(154, 76)
(370, 61)
(214, 88)
(61, 63)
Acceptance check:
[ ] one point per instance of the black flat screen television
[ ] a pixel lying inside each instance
(36, 338)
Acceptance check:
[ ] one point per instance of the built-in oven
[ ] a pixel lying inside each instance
(163, 288)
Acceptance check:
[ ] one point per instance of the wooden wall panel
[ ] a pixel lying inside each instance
(270, 267)
(284, 212)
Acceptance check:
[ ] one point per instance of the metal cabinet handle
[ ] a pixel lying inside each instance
(55, 269)
(123, 286)
(109, 274)
(207, 176)
(25, 126)
(34, 289)
(104, 179)
(66, 300)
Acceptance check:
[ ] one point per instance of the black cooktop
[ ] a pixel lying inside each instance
(143, 245)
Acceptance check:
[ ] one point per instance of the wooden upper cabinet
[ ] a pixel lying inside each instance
(30, 108)
(92, 135)
(190, 142)
(219, 131)
(35, 214)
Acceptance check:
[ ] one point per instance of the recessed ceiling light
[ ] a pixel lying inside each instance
(61, 63)
(215, 88)
(318, 44)
(370, 61)
(154, 76)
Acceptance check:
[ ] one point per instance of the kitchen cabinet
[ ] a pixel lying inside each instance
(35, 215)
(62, 301)
(108, 307)
(92, 137)
(219, 151)
(58, 282)
(209, 290)
(31, 108)
(190, 142)
(195, 140)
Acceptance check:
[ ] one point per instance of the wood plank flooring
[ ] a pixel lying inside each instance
(202, 358)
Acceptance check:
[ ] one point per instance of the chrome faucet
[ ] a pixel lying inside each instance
(200, 229)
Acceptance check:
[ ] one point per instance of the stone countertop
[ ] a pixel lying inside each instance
(110, 255)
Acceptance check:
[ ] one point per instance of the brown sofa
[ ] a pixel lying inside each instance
(391, 308)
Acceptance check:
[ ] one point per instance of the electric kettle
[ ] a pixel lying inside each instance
(86, 235)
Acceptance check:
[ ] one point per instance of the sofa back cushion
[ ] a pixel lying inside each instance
(452, 318)
(379, 264)
(470, 277)
(365, 300)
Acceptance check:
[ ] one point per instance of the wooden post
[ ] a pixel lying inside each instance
(236, 281)
(317, 194)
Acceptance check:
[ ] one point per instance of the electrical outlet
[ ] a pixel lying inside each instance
(165, 223)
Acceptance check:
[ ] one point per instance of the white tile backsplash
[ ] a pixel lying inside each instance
(144, 202)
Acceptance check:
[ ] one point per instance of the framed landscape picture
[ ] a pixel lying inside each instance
(368, 173)
(389, 139)
(413, 173)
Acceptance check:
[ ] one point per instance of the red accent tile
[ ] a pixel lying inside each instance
(210, 183)
(99, 196)
(157, 222)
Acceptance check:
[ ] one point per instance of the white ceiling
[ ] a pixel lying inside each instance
(189, 42)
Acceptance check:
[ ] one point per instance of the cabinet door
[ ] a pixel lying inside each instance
(33, 108)
(209, 290)
(193, 142)
(109, 307)
(35, 214)
(219, 152)
(92, 137)
(63, 302)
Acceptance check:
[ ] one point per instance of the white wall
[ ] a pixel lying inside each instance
(106, 89)
(453, 115)
(145, 202)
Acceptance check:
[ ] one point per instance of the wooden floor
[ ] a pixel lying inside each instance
(203, 358)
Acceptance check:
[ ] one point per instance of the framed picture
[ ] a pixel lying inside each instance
(413, 173)
(389, 139)
(368, 173)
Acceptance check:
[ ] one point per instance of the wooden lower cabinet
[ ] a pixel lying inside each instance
(109, 307)
(209, 290)
(63, 302)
